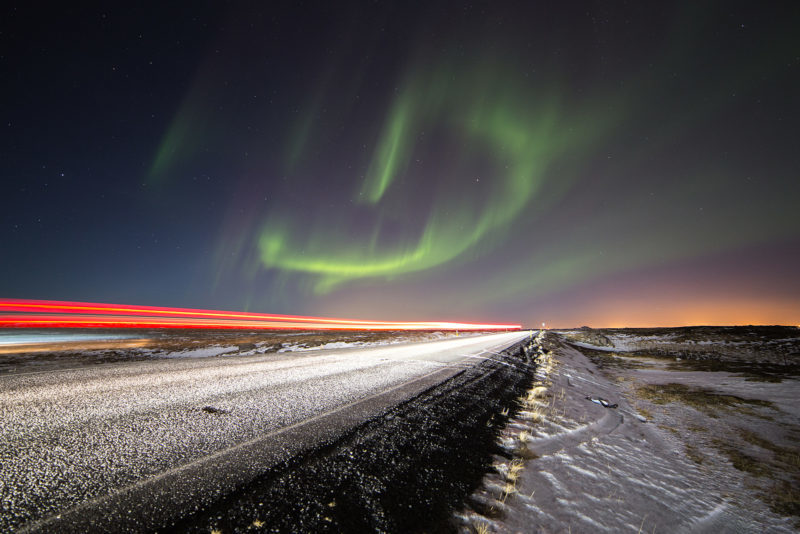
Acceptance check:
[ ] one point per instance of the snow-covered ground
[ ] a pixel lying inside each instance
(757, 343)
(261, 348)
(303, 347)
(580, 467)
(202, 352)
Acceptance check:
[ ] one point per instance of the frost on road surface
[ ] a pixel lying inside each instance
(76, 436)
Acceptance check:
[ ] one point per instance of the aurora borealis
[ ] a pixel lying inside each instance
(592, 163)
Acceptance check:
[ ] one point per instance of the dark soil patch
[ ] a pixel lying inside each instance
(784, 499)
(704, 400)
(741, 460)
(214, 410)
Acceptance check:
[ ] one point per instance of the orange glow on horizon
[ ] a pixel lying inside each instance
(681, 310)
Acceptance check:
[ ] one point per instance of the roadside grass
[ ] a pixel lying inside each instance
(615, 360)
(508, 489)
(522, 451)
(784, 498)
(533, 406)
(537, 392)
(514, 470)
(670, 429)
(740, 460)
(533, 410)
(694, 454)
(790, 458)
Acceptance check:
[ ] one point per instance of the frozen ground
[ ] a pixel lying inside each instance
(688, 448)
(753, 344)
(668, 430)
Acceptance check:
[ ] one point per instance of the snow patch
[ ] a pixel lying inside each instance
(204, 352)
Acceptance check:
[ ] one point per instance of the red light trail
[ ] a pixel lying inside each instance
(62, 314)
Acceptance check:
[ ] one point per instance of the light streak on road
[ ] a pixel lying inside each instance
(62, 314)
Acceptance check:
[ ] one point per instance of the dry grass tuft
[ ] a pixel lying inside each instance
(537, 392)
(515, 469)
(535, 414)
(508, 489)
(481, 527)
(522, 451)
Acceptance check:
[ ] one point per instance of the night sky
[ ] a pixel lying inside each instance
(608, 164)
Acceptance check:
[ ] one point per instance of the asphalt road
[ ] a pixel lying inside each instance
(128, 446)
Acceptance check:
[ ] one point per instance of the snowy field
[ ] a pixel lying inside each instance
(658, 430)
(641, 432)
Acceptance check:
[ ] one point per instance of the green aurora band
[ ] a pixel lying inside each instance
(519, 132)
(473, 160)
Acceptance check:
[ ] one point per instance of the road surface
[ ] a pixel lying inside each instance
(135, 442)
